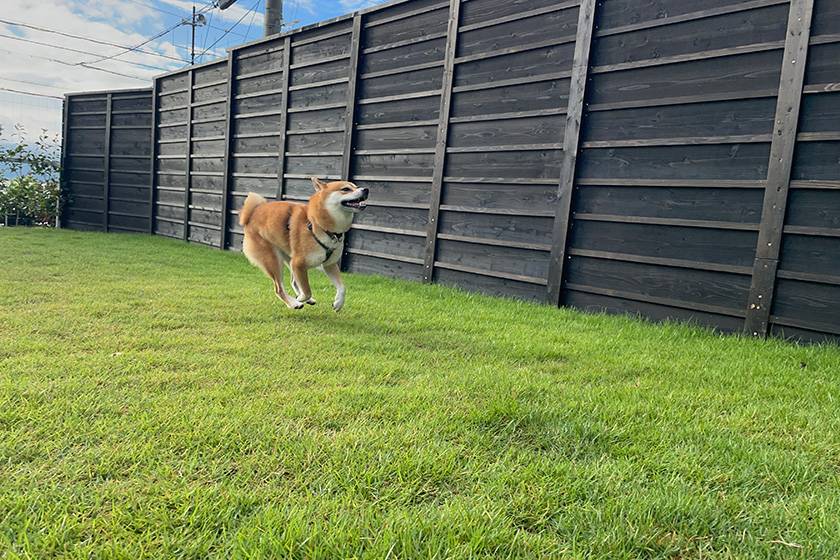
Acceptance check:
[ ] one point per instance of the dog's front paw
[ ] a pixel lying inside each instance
(310, 301)
(337, 305)
(295, 304)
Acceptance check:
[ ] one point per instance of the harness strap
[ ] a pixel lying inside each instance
(334, 236)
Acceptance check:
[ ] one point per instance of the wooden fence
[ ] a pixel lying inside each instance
(670, 158)
(106, 160)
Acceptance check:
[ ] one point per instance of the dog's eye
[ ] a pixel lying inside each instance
(346, 189)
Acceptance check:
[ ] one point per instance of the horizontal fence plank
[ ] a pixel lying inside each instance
(651, 220)
(614, 22)
(494, 274)
(665, 302)
(412, 260)
(672, 262)
(496, 242)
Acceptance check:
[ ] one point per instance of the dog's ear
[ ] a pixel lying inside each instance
(318, 184)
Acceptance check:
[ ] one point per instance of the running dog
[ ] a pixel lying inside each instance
(301, 237)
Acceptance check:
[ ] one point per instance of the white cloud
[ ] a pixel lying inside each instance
(115, 12)
(63, 64)
(49, 63)
(58, 69)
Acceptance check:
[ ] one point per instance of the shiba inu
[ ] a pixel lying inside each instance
(301, 237)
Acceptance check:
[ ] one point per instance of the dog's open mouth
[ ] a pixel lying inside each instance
(357, 204)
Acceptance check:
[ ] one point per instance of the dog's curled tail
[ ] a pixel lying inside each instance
(251, 202)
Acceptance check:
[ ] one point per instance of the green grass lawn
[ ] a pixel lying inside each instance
(158, 401)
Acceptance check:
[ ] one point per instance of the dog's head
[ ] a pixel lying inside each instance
(341, 195)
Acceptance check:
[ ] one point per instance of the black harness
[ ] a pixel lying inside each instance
(336, 237)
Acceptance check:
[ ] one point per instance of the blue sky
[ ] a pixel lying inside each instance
(53, 47)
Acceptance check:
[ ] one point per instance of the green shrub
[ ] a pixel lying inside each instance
(30, 189)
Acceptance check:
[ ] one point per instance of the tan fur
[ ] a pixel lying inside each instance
(251, 202)
(276, 234)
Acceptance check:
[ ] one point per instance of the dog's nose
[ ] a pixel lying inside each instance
(364, 192)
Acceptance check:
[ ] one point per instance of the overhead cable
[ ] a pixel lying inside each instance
(32, 83)
(25, 40)
(73, 64)
(254, 7)
(98, 41)
(149, 40)
(30, 93)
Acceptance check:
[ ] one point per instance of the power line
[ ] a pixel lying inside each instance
(77, 64)
(167, 12)
(135, 48)
(250, 23)
(30, 93)
(150, 39)
(77, 51)
(129, 49)
(206, 30)
(70, 35)
(234, 25)
(226, 30)
(89, 67)
(32, 83)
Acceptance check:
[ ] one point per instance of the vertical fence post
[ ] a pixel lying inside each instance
(62, 171)
(106, 184)
(281, 161)
(571, 141)
(442, 134)
(350, 115)
(782, 147)
(226, 182)
(153, 165)
(188, 181)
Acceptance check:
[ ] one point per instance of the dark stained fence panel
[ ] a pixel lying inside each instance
(190, 160)
(746, 119)
(738, 76)
(808, 276)
(398, 91)
(481, 280)
(173, 130)
(107, 159)
(675, 154)
(503, 150)
(592, 300)
(318, 97)
(747, 29)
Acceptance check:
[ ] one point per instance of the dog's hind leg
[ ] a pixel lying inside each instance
(262, 254)
(334, 274)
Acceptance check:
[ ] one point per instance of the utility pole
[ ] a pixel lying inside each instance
(273, 17)
(192, 50)
(196, 20)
